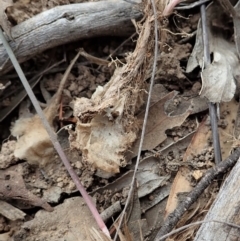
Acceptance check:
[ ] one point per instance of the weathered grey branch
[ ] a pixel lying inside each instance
(68, 23)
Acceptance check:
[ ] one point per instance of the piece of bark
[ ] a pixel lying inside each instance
(68, 23)
(10, 212)
(226, 208)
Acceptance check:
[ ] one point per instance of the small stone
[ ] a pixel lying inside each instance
(65, 181)
(78, 165)
(196, 87)
(176, 138)
(151, 197)
(38, 190)
(73, 86)
(60, 184)
(72, 185)
(59, 179)
(180, 134)
(169, 158)
(174, 133)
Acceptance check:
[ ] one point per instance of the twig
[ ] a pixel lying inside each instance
(192, 5)
(196, 223)
(111, 211)
(124, 42)
(93, 59)
(176, 215)
(145, 118)
(169, 8)
(22, 94)
(212, 106)
(53, 136)
(173, 3)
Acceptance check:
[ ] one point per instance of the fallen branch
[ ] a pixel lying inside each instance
(68, 23)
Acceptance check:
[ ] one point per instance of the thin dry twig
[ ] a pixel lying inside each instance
(228, 7)
(145, 117)
(212, 106)
(22, 94)
(176, 215)
(53, 136)
(196, 223)
(169, 8)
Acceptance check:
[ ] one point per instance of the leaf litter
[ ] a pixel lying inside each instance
(219, 78)
(108, 122)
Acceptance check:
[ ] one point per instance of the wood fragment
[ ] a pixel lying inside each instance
(68, 23)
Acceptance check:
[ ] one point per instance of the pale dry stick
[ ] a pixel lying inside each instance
(228, 7)
(111, 211)
(93, 59)
(173, 3)
(50, 110)
(124, 42)
(196, 223)
(169, 8)
(192, 5)
(212, 106)
(145, 118)
(53, 136)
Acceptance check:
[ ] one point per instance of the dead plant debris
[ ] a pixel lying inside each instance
(99, 121)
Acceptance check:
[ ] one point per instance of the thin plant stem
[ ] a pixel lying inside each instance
(145, 118)
(53, 136)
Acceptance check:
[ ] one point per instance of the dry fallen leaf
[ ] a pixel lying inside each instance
(5, 24)
(233, 12)
(12, 186)
(218, 77)
(199, 143)
(33, 141)
(218, 82)
(181, 183)
(227, 123)
(158, 123)
(135, 223)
